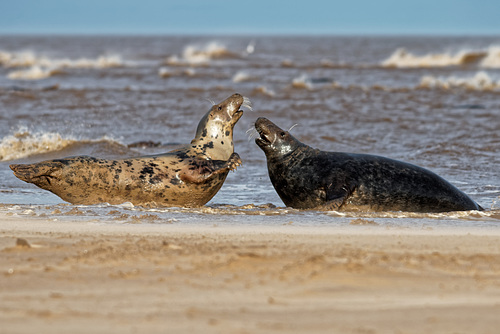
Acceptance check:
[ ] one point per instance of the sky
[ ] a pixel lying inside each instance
(246, 17)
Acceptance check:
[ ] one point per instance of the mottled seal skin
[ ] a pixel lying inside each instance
(187, 177)
(307, 178)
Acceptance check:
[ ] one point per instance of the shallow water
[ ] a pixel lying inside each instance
(429, 101)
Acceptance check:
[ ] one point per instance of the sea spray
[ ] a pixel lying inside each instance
(201, 55)
(23, 143)
(401, 58)
(481, 81)
(38, 67)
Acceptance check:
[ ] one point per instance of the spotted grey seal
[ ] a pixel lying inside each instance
(189, 176)
(307, 178)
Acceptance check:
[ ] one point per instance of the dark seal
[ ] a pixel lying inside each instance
(189, 176)
(307, 178)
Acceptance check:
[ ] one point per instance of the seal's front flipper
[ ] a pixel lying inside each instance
(332, 205)
(201, 170)
(40, 174)
(335, 196)
(234, 161)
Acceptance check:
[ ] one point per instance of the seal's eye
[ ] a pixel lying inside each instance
(220, 108)
(282, 134)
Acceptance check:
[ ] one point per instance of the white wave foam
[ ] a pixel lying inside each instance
(17, 59)
(41, 67)
(28, 58)
(492, 59)
(327, 63)
(196, 55)
(265, 91)
(302, 82)
(22, 143)
(480, 81)
(165, 72)
(32, 73)
(241, 76)
(401, 58)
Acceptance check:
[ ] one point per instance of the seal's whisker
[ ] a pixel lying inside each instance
(292, 127)
(246, 103)
(252, 133)
(211, 101)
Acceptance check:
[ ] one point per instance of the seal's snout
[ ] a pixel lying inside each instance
(23, 172)
(236, 98)
(263, 140)
(230, 107)
(237, 101)
(274, 140)
(263, 127)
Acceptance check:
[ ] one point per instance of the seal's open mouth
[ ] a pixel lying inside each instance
(263, 140)
(245, 104)
(273, 140)
(263, 131)
(236, 111)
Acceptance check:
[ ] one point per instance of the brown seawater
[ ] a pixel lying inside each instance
(430, 101)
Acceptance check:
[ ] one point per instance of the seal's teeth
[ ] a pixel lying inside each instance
(246, 103)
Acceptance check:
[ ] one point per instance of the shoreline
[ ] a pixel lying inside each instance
(354, 226)
(85, 276)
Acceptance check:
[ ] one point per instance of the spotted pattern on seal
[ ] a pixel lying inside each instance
(189, 176)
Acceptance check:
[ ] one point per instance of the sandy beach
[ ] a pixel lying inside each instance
(92, 277)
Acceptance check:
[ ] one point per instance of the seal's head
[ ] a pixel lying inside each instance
(215, 129)
(221, 116)
(274, 141)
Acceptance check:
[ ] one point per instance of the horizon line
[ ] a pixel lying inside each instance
(257, 34)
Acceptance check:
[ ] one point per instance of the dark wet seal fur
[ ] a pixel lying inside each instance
(189, 176)
(307, 178)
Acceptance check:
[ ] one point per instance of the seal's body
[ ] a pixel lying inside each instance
(307, 178)
(188, 177)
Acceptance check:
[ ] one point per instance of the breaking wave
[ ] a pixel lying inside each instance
(487, 58)
(33, 73)
(165, 72)
(23, 143)
(263, 90)
(481, 81)
(242, 76)
(201, 55)
(492, 59)
(302, 82)
(41, 67)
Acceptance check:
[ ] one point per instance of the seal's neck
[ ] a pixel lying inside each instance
(293, 155)
(216, 146)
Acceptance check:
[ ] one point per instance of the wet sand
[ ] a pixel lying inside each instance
(92, 277)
